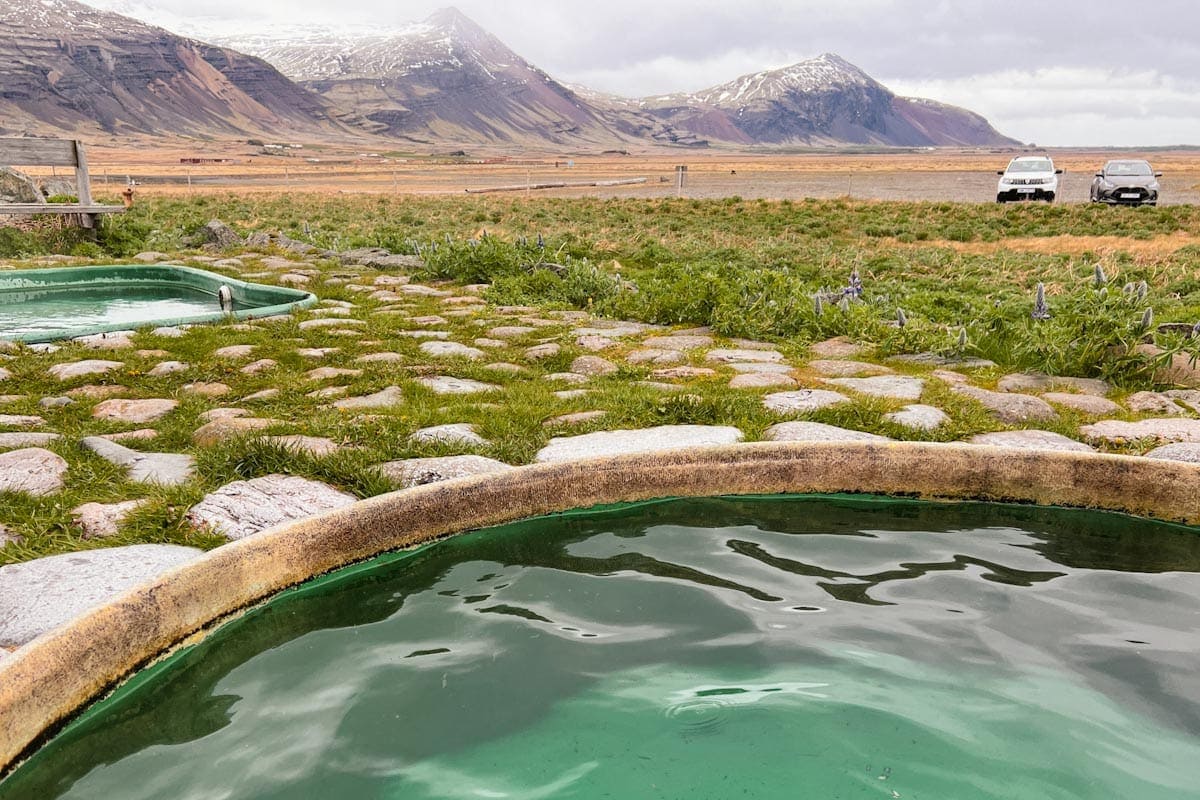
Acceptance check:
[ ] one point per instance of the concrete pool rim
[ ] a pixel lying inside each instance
(50, 680)
(278, 299)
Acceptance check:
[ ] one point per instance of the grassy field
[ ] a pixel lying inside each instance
(962, 277)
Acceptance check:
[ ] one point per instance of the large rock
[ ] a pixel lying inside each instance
(220, 236)
(17, 187)
(1030, 440)
(244, 508)
(1164, 430)
(817, 432)
(137, 412)
(1007, 407)
(803, 401)
(32, 470)
(164, 469)
(419, 471)
(648, 440)
(38, 596)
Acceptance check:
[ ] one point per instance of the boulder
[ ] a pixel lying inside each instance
(17, 187)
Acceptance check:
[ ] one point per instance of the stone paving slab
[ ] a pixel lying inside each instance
(1164, 430)
(1030, 440)
(647, 440)
(136, 412)
(817, 432)
(461, 433)
(385, 398)
(445, 384)
(803, 401)
(892, 387)
(38, 596)
(419, 471)
(101, 520)
(164, 469)
(1032, 382)
(9, 441)
(1087, 403)
(847, 369)
(78, 369)
(1179, 451)
(32, 470)
(1009, 407)
(244, 508)
(919, 417)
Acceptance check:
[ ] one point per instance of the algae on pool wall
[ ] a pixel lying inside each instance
(694, 648)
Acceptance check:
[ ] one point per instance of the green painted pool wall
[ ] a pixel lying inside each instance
(263, 301)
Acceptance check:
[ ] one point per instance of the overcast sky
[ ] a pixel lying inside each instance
(1054, 72)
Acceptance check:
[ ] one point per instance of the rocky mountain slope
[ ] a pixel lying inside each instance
(822, 101)
(66, 66)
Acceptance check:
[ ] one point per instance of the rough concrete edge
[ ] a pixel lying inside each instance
(53, 678)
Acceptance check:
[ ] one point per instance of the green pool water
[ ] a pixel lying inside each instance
(724, 648)
(41, 305)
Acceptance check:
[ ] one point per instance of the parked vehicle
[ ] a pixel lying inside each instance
(1126, 182)
(1028, 178)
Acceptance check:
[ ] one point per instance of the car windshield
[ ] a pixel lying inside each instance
(1138, 168)
(1037, 165)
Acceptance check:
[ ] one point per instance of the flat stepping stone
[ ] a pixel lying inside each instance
(384, 398)
(762, 368)
(762, 380)
(112, 340)
(94, 391)
(424, 291)
(102, 520)
(678, 342)
(135, 412)
(574, 394)
(439, 335)
(504, 366)
(595, 343)
(567, 377)
(1179, 451)
(1031, 440)
(316, 352)
(244, 508)
(684, 372)
(655, 356)
(950, 362)
(511, 331)
(21, 421)
(542, 351)
(380, 358)
(78, 369)
(431, 319)
(743, 356)
(919, 417)
(490, 343)
(163, 469)
(225, 428)
(26, 439)
(265, 394)
(262, 365)
(456, 433)
(445, 384)
(140, 435)
(893, 387)
(1026, 382)
(1189, 397)
(1153, 403)
(1009, 407)
(32, 470)
(817, 432)
(1166, 430)
(234, 351)
(847, 369)
(614, 330)
(205, 389)
(578, 418)
(38, 596)
(165, 368)
(325, 373)
(593, 365)
(420, 471)
(317, 446)
(803, 401)
(1087, 403)
(451, 350)
(647, 440)
(838, 347)
(311, 324)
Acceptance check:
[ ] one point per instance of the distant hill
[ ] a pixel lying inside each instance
(65, 66)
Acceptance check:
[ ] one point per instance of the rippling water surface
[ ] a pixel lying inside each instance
(724, 648)
(71, 310)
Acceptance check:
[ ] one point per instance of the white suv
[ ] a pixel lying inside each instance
(1028, 178)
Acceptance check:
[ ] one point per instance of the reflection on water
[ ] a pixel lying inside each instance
(70, 309)
(699, 648)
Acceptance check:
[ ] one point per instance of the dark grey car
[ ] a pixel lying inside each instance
(1129, 182)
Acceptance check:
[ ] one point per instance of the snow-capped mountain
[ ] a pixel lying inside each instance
(67, 66)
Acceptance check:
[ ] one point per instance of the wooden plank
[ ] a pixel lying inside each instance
(58, 208)
(83, 182)
(23, 152)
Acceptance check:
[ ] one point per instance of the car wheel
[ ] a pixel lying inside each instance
(1001, 200)
(1050, 197)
